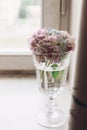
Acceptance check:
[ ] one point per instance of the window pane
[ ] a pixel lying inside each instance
(18, 19)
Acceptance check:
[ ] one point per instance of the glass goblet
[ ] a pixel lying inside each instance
(51, 72)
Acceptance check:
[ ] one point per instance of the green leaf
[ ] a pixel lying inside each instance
(55, 74)
(54, 66)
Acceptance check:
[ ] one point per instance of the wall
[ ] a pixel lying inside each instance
(76, 6)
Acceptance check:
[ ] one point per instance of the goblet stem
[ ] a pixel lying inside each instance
(52, 109)
(51, 104)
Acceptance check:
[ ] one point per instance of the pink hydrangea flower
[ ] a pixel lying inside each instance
(51, 41)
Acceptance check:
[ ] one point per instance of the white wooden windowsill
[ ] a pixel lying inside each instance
(16, 60)
(20, 102)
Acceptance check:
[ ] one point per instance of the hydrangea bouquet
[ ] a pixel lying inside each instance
(48, 41)
(51, 53)
(51, 46)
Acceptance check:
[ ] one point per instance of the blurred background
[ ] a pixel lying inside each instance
(18, 19)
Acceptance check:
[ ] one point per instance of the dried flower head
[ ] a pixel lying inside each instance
(51, 41)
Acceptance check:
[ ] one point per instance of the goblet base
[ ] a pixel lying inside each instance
(52, 119)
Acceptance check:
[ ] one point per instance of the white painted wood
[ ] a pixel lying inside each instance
(51, 13)
(76, 7)
(16, 62)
